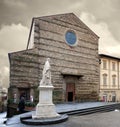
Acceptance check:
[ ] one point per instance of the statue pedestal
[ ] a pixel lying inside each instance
(45, 108)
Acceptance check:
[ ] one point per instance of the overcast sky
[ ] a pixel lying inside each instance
(102, 16)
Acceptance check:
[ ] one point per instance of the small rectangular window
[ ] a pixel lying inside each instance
(104, 64)
(104, 79)
(113, 80)
(113, 66)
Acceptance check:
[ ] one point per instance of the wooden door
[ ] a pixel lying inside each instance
(70, 92)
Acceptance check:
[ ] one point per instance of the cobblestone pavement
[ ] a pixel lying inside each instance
(108, 119)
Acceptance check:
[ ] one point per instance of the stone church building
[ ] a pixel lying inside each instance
(73, 49)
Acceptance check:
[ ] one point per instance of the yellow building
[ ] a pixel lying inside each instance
(109, 78)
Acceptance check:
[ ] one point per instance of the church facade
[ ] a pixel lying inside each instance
(73, 50)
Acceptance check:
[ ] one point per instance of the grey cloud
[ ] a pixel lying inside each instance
(10, 12)
(106, 11)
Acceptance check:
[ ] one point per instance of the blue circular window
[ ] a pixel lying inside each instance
(70, 37)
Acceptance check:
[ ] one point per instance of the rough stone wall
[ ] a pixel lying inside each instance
(24, 69)
(49, 41)
(82, 58)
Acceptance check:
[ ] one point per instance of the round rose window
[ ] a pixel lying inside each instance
(70, 38)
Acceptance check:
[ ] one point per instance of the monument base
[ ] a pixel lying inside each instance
(29, 121)
(45, 111)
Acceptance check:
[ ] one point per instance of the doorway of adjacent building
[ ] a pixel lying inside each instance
(70, 91)
(113, 98)
(104, 98)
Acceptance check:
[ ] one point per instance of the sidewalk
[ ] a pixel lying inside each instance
(15, 120)
(76, 106)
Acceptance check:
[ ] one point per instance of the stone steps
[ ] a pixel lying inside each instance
(105, 108)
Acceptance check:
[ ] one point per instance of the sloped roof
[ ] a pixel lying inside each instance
(109, 56)
(70, 18)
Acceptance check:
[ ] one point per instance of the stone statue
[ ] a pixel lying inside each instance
(46, 77)
(45, 107)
